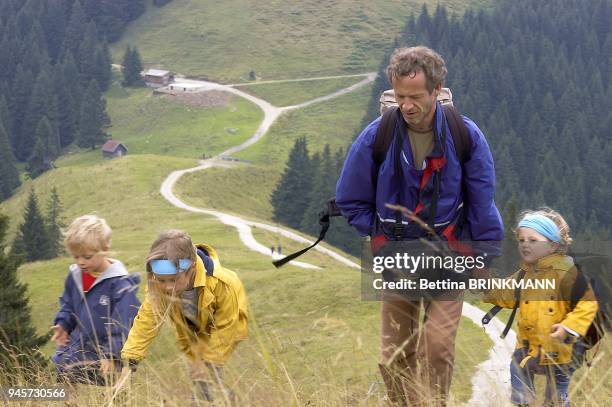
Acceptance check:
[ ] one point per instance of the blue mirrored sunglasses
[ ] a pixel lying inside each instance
(167, 267)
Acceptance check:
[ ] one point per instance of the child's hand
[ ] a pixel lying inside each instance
(558, 332)
(107, 366)
(60, 336)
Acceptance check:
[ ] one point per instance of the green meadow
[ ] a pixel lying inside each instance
(277, 39)
(313, 341)
(294, 92)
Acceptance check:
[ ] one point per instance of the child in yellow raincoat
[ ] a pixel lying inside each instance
(549, 332)
(204, 301)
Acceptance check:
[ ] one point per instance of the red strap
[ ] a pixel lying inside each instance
(433, 164)
(377, 243)
(454, 244)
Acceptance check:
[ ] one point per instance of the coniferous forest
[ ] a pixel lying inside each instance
(536, 79)
(55, 65)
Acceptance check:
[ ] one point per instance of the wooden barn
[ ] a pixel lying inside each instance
(113, 148)
(156, 78)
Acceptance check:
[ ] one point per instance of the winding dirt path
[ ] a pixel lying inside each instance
(490, 384)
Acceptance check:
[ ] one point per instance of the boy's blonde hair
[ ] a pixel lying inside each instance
(564, 230)
(172, 245)
(88, 233)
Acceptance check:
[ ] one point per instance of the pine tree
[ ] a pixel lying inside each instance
(103, 67)
(32, 241)
(86, 56)
(54, 223)
(38, 107)
(18, 105)
(66, 112)
(19, 341)
(290, 198)
(132, 66)
(9, 176)
(45, 149)
(93, 118)
(75, 29)
(323, 189)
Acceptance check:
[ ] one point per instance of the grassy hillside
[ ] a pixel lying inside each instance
(225, 40)
(310, 327)
(292, 93)
(334, 122)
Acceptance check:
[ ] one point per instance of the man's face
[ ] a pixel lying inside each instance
(417, 105)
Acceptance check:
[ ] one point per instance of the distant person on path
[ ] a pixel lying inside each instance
(409, 176)
(97, 307)
(205, 302)
(548, 332)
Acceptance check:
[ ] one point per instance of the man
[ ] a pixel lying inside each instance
(417, 358)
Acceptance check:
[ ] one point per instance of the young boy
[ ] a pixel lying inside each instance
(97, 307)
(204, 301)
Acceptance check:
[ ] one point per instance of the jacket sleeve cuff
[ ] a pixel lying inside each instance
(62, 322)
(571, 331)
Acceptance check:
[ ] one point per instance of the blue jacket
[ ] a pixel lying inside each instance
(98, 321)
(363, 190)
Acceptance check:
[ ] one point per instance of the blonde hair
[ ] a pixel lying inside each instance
(564, 230)
(172, 245)
(88, 233)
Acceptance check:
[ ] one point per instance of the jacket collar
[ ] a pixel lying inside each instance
(547, 262)
(116, 269)
(200, 277)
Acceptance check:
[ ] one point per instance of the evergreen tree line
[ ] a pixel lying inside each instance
(55, 65)
(535, 77)
(307, 183)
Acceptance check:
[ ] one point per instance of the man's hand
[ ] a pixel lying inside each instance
(558, 332)
(60, 336)
(107, 366)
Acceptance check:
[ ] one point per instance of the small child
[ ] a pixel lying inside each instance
(204, 301)
(549, 332)
(97, 307)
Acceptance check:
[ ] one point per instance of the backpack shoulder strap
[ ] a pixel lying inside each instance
(384, 135)
(517, 301)
(459, 131)
(579, 288)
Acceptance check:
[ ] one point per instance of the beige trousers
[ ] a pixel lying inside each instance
(418, 356)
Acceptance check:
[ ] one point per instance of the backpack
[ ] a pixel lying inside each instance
(590, 270)
(384, 138)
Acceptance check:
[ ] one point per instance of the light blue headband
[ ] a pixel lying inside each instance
(543, 225)
(167, 267)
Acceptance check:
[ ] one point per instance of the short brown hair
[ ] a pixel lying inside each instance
(410, 61)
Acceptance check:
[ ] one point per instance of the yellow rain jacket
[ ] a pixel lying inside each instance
(541, 308)
(222, 315)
